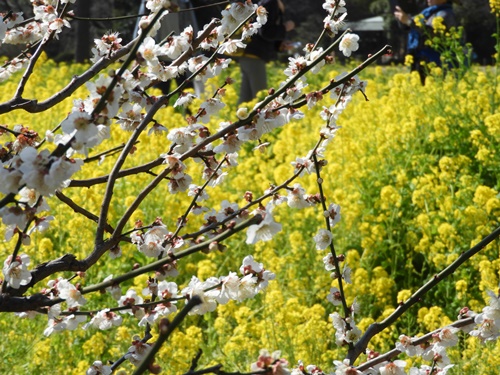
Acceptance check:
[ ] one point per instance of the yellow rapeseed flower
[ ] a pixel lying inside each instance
(495, 7)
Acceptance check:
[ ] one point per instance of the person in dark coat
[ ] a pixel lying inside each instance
(263, 48)
(417, 33)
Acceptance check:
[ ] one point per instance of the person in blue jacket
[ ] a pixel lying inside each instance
(417, 33)
(263, 48)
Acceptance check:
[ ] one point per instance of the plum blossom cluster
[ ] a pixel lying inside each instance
(488, 322)
(337, 12)
(254, 278)
(229, 288)
(49, 20)
(33, 175)
(485, 326)
(157, 241)
(334, 22)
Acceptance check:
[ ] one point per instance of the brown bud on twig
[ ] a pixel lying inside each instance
(248, 196)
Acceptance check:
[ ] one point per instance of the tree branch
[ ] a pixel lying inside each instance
(378, 327)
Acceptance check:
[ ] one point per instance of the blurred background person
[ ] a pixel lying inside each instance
(262, 48)
(420, 27)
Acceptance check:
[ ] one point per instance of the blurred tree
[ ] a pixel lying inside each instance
(83, 39)
(480, 25)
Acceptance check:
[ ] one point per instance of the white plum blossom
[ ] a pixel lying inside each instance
(440, 356)
(46, 173)
(180, 182)
(328, 261)
(131, 299)
(393, 368)
(176, 45)
(229, 289)
(334, 25)
(164, 290)
(194, 190)
(261, 13)
(251, 267)
(333, 214)
(98, 368)
(70, 293)
(184, 99)
(344, 368)
(264, 231)
(305, 163)
(488, 329)
(312, 57)
(197, 288)
(150, 51)
(494, 303)
(209, 107)
(104, 46)
(130, 116)
(273, 363)
(114, 289)
(167, 290)
(59, 324)
(250, 30)
(297, 198)
(138, 351)
(426, 370)
(231, 46)
(104, 319)
(183, 138)
(14, 217)
(488, 322)
(246, 288)
(447, 337)
(41, 224)
(157, 5)
(31, 198)
(16, 272)
(334, 296)
(11, 179)
(346, 274)
(323, 239)
(295, 65)
(335, 7)
(150, 243)
(226, 209)
(405, 346)
(57, 25)
(349, 44)
(351, 335)
(231, 143)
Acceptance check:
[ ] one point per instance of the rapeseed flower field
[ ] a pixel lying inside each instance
(416, 171)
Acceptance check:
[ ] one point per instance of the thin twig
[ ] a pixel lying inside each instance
(80, 210)
(166, 328)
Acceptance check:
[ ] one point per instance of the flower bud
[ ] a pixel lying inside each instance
(242, 113)
(144, 23)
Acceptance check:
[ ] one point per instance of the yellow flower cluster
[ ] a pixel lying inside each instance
(495, 7)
